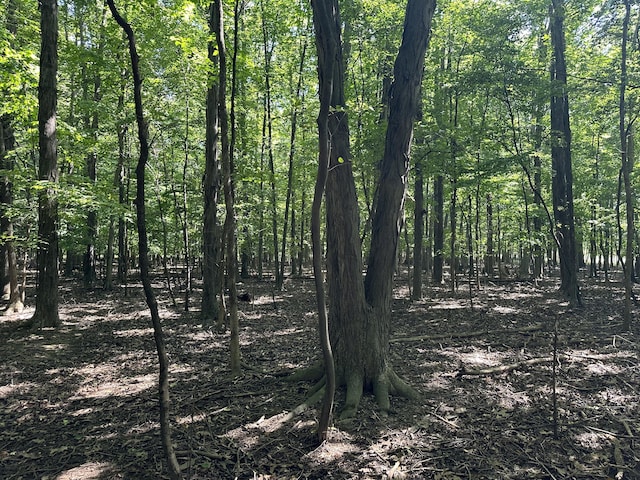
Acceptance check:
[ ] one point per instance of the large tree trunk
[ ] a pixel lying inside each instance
(46, 313)
(562, 185)
(360, 313)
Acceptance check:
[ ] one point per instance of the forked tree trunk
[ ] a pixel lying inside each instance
(46, 313)
(360, 313)
(143, 253)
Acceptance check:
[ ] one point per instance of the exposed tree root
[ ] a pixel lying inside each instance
(16, 307)
(386, 384)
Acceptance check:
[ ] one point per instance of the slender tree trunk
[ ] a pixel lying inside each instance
(272, 173)
(292, 151)
(562, 184)
(46, 313)
(438, 229)
(626, 148)
(143, 253)
(211, 231)
(228, 187)
(7, 143)
(121, 180)
(418, 231)
(327, 26)
(184, 216)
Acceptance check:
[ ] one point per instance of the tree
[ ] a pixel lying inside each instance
(46, 312)
(562, 184)
(360, 312)
(143, 251)
(626, 150)
(211, 231)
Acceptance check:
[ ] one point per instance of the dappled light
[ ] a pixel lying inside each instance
(99, 380)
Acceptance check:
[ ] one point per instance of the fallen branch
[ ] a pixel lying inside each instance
(503, 368)
(479, 333)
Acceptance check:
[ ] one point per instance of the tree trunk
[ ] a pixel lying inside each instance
(216, 26)
(360, 313)
(292, 151)
(211, 231)
(562, 184)
(269, 139)
(418, 231)
(438, 229)
(387, 219)
(626, 147)
(7, 143)
(143, 253)
(46, 313)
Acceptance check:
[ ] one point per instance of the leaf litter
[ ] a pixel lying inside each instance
(80, 402)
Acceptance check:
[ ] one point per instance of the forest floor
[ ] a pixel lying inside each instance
(80, 402)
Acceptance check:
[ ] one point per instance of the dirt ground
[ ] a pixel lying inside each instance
(80, 402)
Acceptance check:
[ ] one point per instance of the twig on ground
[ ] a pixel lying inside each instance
(479, 333)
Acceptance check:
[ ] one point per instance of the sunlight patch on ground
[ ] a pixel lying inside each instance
(600, 368)
(201, 417)
(82, 411)
(481, 357)
(615, 396)
(449, 305)
(438, 381)
(593, 440)
(15, 388)
(334, 449)
(504, 395)
(288, 331)
(505, 310)
(203, 335)
(87, 471)
(249, 435)
(134, 332)
(132, 386)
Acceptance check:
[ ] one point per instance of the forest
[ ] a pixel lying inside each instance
(351, 239)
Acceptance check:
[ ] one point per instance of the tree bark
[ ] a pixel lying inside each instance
(46, 312)
(211, 231)
(327, 26)
(418, 231)
(362, 328)
(228, 187)
(626, 148)
(562, 183)
(143, 253)
(438, 229)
